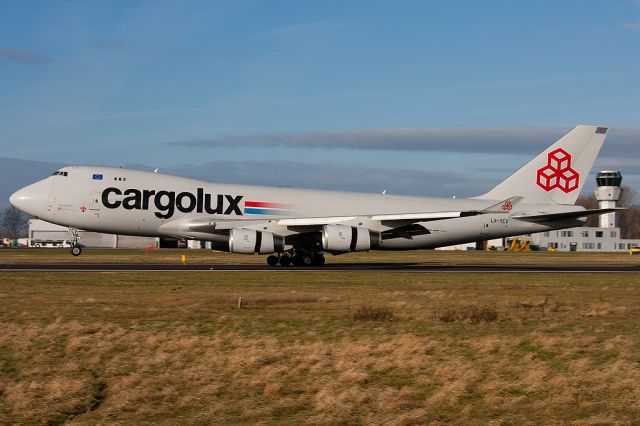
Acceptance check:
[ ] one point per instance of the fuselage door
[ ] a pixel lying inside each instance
(94, 202)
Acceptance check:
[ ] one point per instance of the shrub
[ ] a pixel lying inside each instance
(469, 314)
(369, 313)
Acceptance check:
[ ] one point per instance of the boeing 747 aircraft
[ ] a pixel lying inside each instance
(299, 226)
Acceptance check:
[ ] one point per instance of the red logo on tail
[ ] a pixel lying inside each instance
(558, 173)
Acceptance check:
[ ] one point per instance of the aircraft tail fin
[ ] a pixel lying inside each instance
(557, 175)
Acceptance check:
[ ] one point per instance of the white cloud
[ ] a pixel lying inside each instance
(505, 140)
(632, 25)
(304, 29)
(622, 141)
(24, 56)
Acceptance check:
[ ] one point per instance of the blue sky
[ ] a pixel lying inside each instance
(235, 89)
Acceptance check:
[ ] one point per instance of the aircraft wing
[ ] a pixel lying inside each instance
(401, 224)
(405, 218)
(213, 226)
(410, 217)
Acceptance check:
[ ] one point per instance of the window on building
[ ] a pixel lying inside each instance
(546, 234)
(552, 245)
(599, 246)
(584, 234)
(598, 234)
(613, 234)
(566, 233)
(588, 246)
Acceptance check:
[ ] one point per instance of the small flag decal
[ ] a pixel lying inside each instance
(601, 130)
(97, 176)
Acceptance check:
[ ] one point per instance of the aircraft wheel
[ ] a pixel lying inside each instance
(76, 250)
(285, 260)
(272, 260)
(318, 260)
(306, 260)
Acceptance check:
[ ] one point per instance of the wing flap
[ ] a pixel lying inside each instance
(408, 232)
(421, 217)
(315, 221)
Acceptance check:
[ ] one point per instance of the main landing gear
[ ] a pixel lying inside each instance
(76, 250)
(296, 259)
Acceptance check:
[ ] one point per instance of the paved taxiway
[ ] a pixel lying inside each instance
(343, 267)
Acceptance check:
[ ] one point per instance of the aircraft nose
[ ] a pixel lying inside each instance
(31, 199)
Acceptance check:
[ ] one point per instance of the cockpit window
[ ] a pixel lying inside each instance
(60, 173)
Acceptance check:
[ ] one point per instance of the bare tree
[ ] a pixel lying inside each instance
(628, 220)
(14, 223)
(589, 202)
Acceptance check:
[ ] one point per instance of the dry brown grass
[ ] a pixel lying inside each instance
(167, 348)
(433, 257)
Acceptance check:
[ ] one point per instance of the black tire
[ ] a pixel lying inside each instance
(76, 250)
(306, 260)
(285, 260)
(318, 260)
(272, 260)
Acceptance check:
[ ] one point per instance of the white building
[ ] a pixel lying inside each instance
(47, 234)
(584, 239)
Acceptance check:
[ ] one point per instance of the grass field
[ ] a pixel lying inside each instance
(319, 348)
(416, 256)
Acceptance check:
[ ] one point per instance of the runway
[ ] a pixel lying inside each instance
(342, 267)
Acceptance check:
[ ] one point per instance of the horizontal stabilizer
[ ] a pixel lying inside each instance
(550, 217)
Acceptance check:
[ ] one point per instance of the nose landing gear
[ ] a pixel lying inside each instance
(76, 249)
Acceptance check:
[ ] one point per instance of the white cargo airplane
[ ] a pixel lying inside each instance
(298, 225)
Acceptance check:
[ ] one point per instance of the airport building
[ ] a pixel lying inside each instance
(605, 237)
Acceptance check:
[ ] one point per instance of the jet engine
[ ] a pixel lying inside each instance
(343, 239)
(249, 241)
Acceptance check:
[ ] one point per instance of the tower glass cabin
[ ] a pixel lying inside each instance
(609, 178)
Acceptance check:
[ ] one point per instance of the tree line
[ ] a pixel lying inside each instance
(627, 220)
(13, 223)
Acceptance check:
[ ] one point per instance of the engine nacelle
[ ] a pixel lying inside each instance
(249, 241)
(343, 239)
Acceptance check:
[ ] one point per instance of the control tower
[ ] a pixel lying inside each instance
(607, 194)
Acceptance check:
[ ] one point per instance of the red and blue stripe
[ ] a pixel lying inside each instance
(266, 208)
